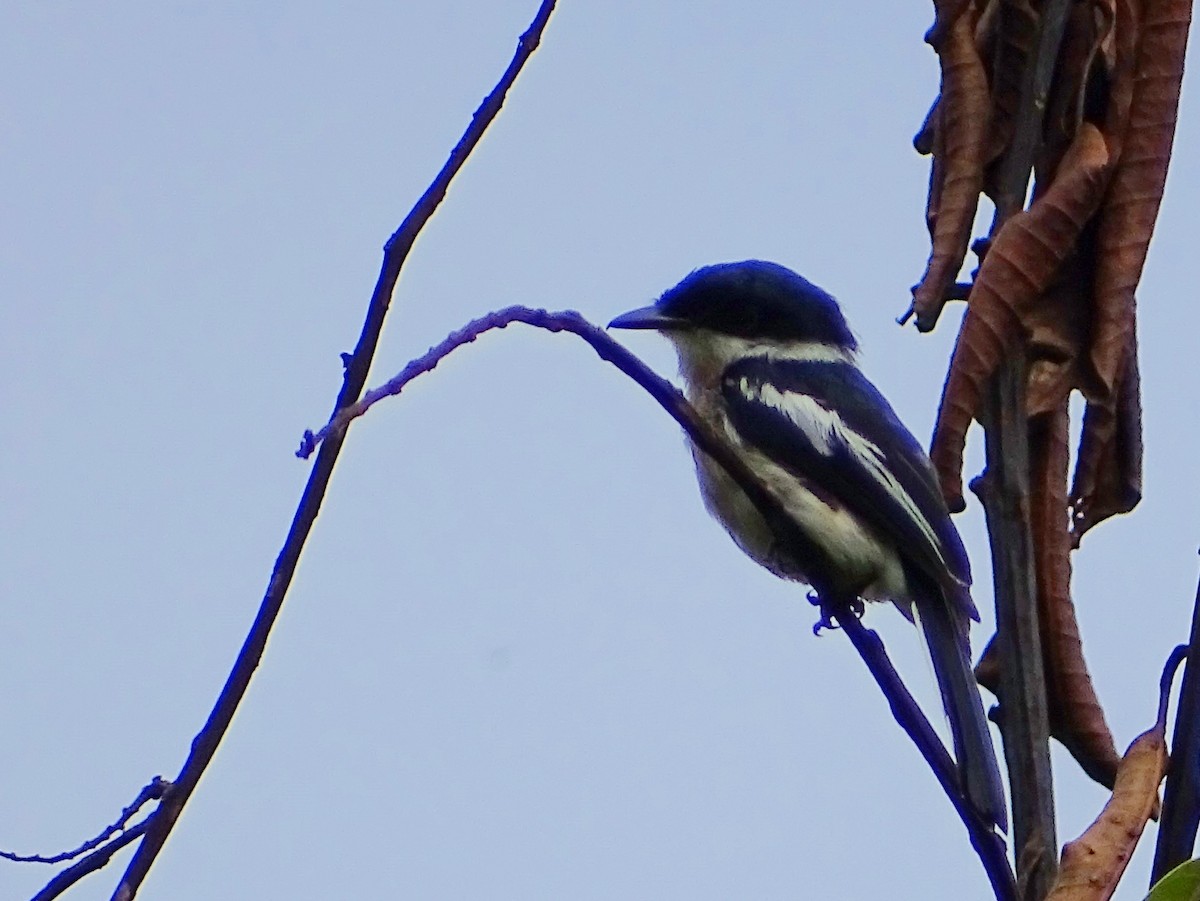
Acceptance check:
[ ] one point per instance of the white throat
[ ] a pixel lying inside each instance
(704, 354)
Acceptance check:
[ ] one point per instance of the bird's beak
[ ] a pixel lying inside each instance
(650, 317)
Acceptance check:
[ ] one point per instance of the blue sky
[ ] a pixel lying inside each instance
(518, 660)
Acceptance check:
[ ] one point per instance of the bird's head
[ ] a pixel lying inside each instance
(754, 301)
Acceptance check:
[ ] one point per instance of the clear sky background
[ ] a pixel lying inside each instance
(518, 660)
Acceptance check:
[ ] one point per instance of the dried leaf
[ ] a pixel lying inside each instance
(924, 138)
(1078, 88)
(1020, 266)
(1130, 210)
(1093, 863)
(1010, 39)
(1059, 333)
(1108, 469)
(1119, 52)
(947, 14)
(937, 167)
(986, 29)
(961, 129)
(987, 670)
(1076, 718)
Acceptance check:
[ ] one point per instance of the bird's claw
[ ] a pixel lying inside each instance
(825, 621)
(829, 612)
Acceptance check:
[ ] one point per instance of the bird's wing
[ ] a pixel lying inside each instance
(826, 422)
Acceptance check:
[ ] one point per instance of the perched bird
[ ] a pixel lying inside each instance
(768, 360)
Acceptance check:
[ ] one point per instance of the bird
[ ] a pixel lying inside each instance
(769, 362)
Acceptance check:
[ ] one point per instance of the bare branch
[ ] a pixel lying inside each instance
(152, 791)
(396, 250)
(1025, 724)
(94, 861)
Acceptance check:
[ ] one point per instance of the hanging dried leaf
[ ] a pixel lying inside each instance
(987, 670)
(1076, 718)
(1009, 34)
(1119, 51)
(924, 138)
(986, 31)
(1059, 332)
(946, 15)
(1130, 210)
(1079, 85)
(1021, 264)
(1108, 471)
(937, 166)
(960, 132)
(1092, 864)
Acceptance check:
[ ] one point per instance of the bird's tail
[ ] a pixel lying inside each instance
(973, 746)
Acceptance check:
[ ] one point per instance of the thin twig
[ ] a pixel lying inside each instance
(152, 791)
(1178, 654)
(395, 251)
(988, 845)
(1181, 798)
(94, 861)
(956, 291)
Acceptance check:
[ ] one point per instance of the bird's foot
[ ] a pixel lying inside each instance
(830, 611)
(823, 621)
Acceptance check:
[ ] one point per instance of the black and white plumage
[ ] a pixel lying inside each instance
(768, 360)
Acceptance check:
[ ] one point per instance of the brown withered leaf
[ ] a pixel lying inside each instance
(1076, 718)
(957, 177)
(987, 670)
(1108, 468)
(1009, 35)
(986, 31)
(947, 14)
(1079, 86)
(937, 166)
(1059, 331)
(923, 140)
(1130, 210)
(1022, 263)
(1092, 864)
(1119, 51)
